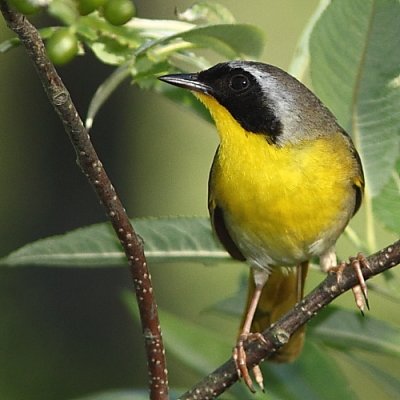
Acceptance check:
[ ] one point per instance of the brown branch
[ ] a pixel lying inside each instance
(93, 169)
(279, 333)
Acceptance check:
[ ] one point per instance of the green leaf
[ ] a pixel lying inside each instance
(389, 290)
(165, 240)
(110, 51)
(207, 12)
(386, 381)
(199, 348)
(342, 329)
(355, 65)
(386, 205)
(301, 59)
(104, 91)
(111, 44)
(230, 40)
(313, 376)
(161, 38)
(237, 39)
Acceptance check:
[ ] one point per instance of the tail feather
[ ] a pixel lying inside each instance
(283, 289)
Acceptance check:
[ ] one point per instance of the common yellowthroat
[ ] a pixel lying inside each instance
(285, 181)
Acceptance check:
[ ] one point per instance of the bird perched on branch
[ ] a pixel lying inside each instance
(285, 181)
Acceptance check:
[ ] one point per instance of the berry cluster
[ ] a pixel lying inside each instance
(63, 45)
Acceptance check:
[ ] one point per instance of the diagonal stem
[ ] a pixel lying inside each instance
(93, 169)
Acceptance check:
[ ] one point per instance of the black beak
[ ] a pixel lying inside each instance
(187, 81)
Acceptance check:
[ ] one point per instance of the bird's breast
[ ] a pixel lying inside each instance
(282, 205)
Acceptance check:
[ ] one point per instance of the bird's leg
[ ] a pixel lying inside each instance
(360, 291)
(239, 354)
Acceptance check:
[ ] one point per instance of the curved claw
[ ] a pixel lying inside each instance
(357, 263)
(239, 356)
(258, 376)
(360, 291)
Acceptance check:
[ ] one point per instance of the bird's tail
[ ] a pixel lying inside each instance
(283, 289)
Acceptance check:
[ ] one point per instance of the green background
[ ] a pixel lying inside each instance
(66, 332)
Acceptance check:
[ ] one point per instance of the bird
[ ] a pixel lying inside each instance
(284, 183)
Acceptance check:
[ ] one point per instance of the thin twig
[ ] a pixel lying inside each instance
(92, 167)
(279, 333)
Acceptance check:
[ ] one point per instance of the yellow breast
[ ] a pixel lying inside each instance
(281, 204)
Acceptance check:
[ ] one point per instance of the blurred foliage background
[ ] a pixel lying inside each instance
(66, 332)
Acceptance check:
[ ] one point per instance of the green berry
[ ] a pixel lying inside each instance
(62, 46)
(118, 12)
(25, 7)
(85, 7)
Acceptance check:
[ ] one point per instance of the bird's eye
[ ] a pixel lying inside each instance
(239, 83)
